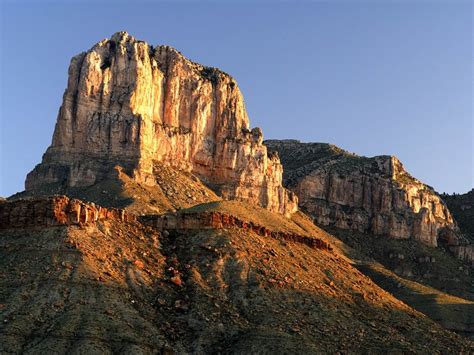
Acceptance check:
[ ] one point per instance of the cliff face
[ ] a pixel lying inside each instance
(374, 195)
(56, 211)
(130, 104)
(462, 208)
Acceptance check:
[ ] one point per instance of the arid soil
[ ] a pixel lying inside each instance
(428, 279)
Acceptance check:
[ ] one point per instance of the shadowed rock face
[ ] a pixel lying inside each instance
(462, 208)
(130, 104)
(374, 195)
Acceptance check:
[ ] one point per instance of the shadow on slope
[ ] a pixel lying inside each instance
(451, 312)
(428, 279)
(79, 290)
(244, 293)
(415, 261)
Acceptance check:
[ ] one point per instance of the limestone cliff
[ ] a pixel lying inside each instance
(374, 195)
(131, 104)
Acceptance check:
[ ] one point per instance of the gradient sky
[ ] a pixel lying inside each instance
(386, 77)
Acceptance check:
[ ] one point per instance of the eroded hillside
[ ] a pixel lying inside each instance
(117, 286)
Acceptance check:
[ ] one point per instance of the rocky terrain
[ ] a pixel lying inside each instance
(158, 222)
(110, 285)
(174, 189)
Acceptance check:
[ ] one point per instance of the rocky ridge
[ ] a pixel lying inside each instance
(62, 210)
(219, 220)
(371, 195)
(131, 104)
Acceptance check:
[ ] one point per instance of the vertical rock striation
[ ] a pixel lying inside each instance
(130, 104)
(374, 195)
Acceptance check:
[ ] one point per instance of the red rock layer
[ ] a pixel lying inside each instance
(55, 211)
(217, 220)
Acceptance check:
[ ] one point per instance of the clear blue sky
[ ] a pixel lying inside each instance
(380, 77)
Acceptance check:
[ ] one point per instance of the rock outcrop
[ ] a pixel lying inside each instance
(371, 195)
(56, 211)
(131, 104)
(120, 287)
(218, 220)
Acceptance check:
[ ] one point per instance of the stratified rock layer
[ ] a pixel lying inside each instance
(374, 195)
(218, 220)
(115, 286)
(56, 211)
(130, 104)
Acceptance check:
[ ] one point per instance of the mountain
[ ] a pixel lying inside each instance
(158, 222)
(136, 106)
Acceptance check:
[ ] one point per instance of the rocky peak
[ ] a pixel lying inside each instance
(131, 104)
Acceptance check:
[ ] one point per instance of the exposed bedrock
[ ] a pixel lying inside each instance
(56, 211)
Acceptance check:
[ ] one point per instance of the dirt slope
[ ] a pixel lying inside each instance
(430, 280)
(121, 287)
